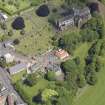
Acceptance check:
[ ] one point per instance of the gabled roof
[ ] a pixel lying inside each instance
(17, 68)
(62, 54)
(53, 67)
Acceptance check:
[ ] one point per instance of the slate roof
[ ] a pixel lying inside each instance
(17, 68)
(53, 67)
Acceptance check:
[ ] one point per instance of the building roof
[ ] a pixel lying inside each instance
(53, 67)
(10, 100)
(73, 13)
(35, 67)
(8, 55)
(69, 17)
(62, 54)
(2, 100)
(17, 68)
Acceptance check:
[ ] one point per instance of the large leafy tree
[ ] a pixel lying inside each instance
(47, 94)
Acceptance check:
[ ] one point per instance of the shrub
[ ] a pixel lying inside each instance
(51, 75)
(16, 41)
(18, 23)
(43, 11)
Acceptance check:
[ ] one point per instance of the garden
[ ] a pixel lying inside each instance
(13, 6)
(33, 32)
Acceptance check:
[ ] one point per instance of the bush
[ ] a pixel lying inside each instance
(81, 81)
(10, 33)
(51, 76)
(22, 32)
(18, 23)
(16, 41)
(31, 80)
(91, 78)
(43, 11)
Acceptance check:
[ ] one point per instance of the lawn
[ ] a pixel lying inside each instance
(30, 92)
(91, 95)
(14, 6)
(38, 33)
(23, 88)
(94, 95)
(18, 76)
(82, 52)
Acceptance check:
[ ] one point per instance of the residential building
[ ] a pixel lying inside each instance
(76, 18)
(9, 58)
(2, 100)
(63, 23)
(62, 54)
(33, 68)
(54, 67)
(10, 100)
(18, 68)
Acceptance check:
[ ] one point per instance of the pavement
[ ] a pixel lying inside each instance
(4, 77)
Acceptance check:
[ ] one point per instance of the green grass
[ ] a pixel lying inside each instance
(17, 76)
(30, 92)
(94, 95)
(82, 52)
(38, 33)
(13, 8)
(91, 95)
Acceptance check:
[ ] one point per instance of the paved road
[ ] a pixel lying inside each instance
(18, 56)
(4, 77)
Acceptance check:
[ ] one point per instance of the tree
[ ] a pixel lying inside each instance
(88, 35)
(95, 48)
(98, 65)
(22, 32)
(91, 78)
(43, 11)
(47, 94)
(69, 41)
(16, 41)
(97, 25)
(51, 76)
(10, 33)
(31, 79)
(2, 62)
(18, 23)
(81, 81)
(4, 26)
(77, 60)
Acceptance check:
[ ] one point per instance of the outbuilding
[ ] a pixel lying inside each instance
(17, 68)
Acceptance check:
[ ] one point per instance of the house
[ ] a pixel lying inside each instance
(17, 68)
(10, 100)
(76, 18)
(62, 54)
(33, 68)
(54, 67)
(9, 58)
(63, 23)
(2, 100)
(84, 16)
